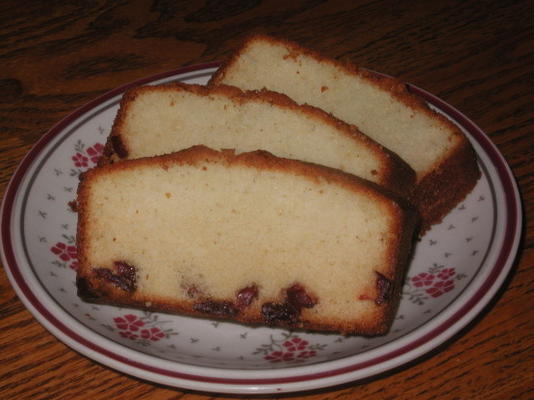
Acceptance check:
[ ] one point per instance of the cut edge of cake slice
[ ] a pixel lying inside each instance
(247, 237)
(178, 116)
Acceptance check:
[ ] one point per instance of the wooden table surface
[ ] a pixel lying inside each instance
(478, 56)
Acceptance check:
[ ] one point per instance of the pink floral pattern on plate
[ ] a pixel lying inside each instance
(66, 253)
(85, 157)
(144, 330)
(289, 348)
(435, 282)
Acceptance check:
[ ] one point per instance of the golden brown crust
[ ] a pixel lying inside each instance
(396, 175)
(455, 173)
(93, 289)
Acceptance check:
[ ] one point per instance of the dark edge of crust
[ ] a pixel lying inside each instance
(401, 256)
(435, 186)
(445, 187)
(109, 154)
(90, 290)
(397, 175)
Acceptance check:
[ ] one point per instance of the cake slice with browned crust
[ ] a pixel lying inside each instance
(249, 237)
(155, 120)
(380, 106)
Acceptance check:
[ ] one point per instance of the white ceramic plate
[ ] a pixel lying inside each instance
(457, 268)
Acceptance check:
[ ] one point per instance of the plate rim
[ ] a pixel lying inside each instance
(410, 351)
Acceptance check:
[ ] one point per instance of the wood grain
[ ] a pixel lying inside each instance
(478, 56)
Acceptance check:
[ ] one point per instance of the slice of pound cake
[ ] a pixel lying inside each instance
(380, 106)
(250, 237)
(155, 120)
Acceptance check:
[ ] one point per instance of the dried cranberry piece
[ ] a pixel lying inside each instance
(246, 296)
(288, 311)
(73, 205)
(126, 271)
(118, 146)
(105, 273)
(85, 291)
(124, 278)
(193, 291)
(297, 296)
(285, 312)
(385, 287)
(218, 308)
